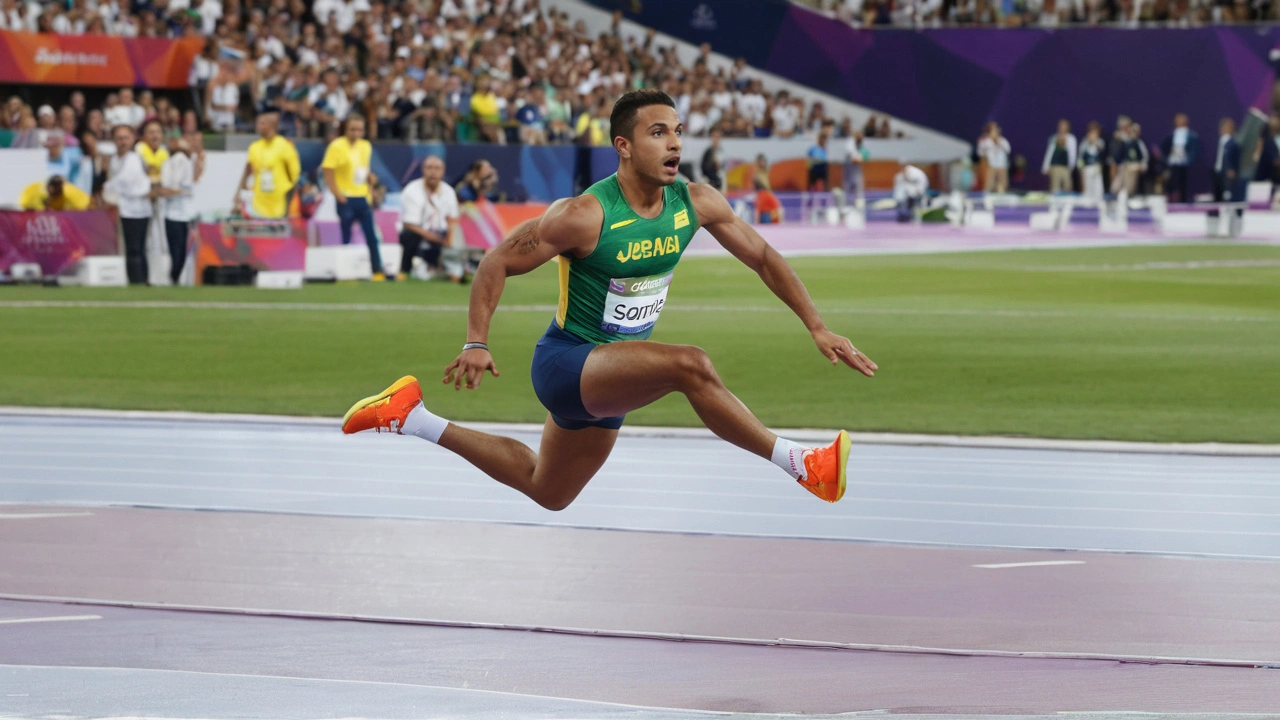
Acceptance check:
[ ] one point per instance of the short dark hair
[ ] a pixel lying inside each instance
(622, 121)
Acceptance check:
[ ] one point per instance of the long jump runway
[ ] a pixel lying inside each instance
(165, 567)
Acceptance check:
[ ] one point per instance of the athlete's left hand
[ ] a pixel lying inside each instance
(838, 349)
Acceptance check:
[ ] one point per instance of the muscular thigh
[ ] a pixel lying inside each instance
(624, 376)
(567, 460)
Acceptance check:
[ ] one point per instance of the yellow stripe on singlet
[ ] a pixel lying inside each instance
(624, 223)
(562, 309)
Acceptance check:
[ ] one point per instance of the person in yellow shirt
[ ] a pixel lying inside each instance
(55, 194)
(151, 148)
(273, 164)
(346, 174)
(485, 112)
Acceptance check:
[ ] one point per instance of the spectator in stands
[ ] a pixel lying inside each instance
(486, 111)
(46, 123)
(1092, 153)
(1180, 150)
(93, 171)
(817, 157)
(177, 185)
(274, 167)
(1226, 163)
(1060, 158)
(223, 98)
(346, 168)
(713, 161)
(129, 189)
(62, 161)
(126, 111)
(68, 124)
(53, 194)
(533, 130)
(96, 123)
(478, 182)
(785, 116)
(855, 155)
(327, 103)
(871, 128)
(429, 215)
(994, 148)
(592, 125)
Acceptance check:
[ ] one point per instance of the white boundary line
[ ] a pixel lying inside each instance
(799, 434)
(60, 618)
(649, 635)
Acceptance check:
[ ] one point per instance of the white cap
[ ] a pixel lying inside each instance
(46, 110)
(403, 52)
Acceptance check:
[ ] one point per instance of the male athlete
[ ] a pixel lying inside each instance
(617, 246)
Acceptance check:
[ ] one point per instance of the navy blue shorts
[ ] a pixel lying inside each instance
(557, 380)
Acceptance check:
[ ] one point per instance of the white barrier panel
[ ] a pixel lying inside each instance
(21, 168)
(99, 271)
(278, 280)
(1261, 222)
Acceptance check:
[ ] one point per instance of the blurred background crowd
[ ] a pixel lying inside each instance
(500, 71)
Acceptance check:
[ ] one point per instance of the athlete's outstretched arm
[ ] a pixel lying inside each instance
(742, 240)
(568, 226)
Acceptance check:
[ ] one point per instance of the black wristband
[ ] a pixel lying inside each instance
(474, 346)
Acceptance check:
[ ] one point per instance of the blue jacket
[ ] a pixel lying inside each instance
(1230, 157)
(1193, 147)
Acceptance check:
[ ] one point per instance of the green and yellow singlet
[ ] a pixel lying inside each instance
(618, 291)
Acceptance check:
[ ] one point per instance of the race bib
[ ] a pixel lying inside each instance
(361, 175)
(633, 304)
(266, 181)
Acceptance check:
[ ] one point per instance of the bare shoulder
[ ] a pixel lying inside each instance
(572, 223)
(710, 205)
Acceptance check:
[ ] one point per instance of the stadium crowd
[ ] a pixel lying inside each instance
(1046, 13)
(498, 71)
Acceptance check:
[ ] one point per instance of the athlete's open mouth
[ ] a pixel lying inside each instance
(672, 163)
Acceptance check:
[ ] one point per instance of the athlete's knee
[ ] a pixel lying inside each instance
(696, 368)
(554, 500)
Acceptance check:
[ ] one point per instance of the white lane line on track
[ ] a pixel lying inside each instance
(1185, 265)
(437, 500)
(60, 618)
(368, 307)
(1043, 563)
(38, 516)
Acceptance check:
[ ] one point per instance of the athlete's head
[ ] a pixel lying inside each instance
(646, 133)
(267, 124)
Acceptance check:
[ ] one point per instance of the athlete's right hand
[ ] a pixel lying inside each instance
(469, 368)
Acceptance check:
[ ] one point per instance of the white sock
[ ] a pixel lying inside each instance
(790, 457)
(424, 424)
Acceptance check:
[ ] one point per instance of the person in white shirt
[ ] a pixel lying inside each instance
(126, 111)
(429, 213)
(224, 98)
(855, 154)
(994, 148)
(909, 188)
(129, 189)
(785, 116)
(1060, 158)
(177, 184)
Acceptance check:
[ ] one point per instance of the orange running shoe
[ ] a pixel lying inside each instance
(825, 469)
(385, 411)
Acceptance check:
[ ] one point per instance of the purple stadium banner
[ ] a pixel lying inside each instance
(55, 240)
(955, 80)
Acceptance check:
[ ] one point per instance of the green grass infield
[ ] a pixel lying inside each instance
(1168, 343)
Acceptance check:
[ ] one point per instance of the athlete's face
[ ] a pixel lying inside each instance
(654, 147)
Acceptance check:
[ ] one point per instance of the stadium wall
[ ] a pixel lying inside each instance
(955, 80)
